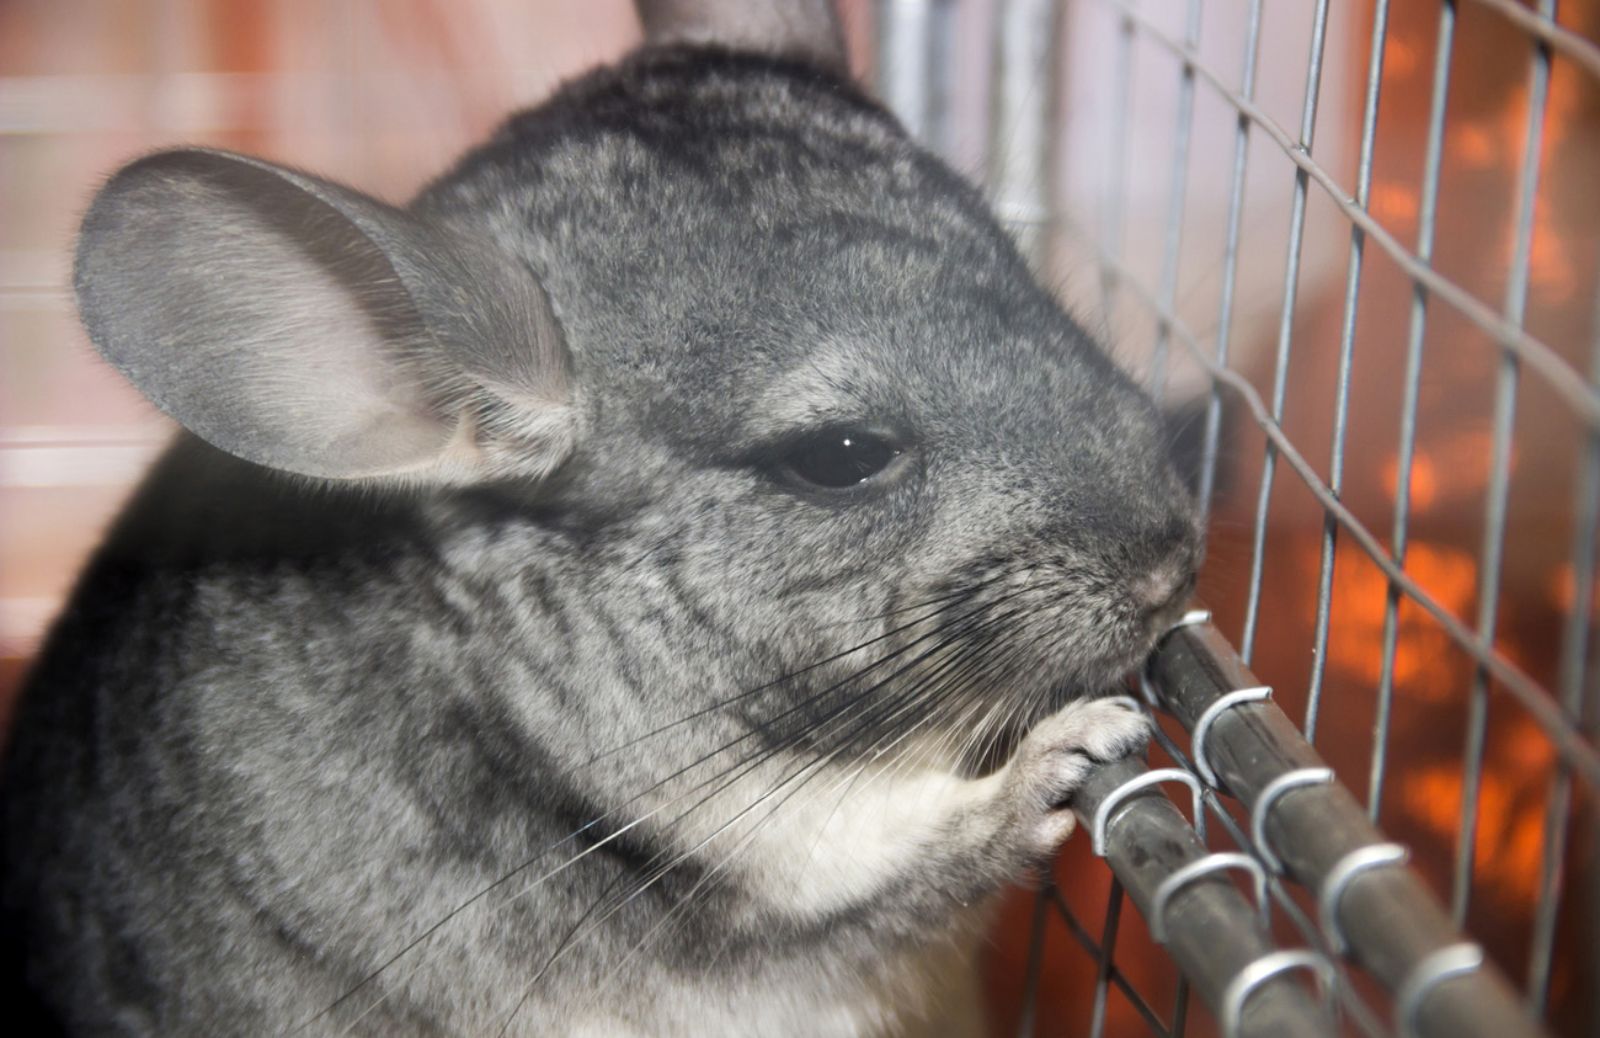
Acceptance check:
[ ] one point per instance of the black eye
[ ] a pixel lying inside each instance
(839, 458)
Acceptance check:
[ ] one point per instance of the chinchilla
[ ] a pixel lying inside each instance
(658, 581)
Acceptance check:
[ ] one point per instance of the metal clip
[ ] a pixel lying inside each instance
(1102, 814)
(1299, 778)
(1146, 689)
(1339, 876)
(1245, 982)
(1192, 618)
(1450, 961)
(1202, 727)
(1196, 870)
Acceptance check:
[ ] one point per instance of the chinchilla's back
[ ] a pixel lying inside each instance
(221, 587)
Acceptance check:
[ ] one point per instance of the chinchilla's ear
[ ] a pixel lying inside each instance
(309, 328)
(805, 28)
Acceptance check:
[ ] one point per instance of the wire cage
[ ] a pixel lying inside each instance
(1353, 247)
(1353, 241)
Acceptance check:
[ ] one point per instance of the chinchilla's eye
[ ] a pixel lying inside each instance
(839, 458)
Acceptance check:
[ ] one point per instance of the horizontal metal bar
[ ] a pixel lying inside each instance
(1212, 931)
(1353, 1008)
(1381, 911)
(1556, 369)
(1541, 706)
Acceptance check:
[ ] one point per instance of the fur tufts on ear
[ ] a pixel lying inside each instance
(801, 28)
(306, 327)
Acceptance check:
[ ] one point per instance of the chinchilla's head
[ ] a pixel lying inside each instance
(773, 371)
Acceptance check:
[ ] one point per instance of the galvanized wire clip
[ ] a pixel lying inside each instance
(1102, 814)
(1196, 870)
(1192, 618)
(1202, 727)
(1338, 878)
(1147, 690)
(1245, 982)
(1299, 778)
(1450, 961)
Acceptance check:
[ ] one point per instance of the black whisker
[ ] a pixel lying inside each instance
(961, 598)
(906, 697)
(661, 869)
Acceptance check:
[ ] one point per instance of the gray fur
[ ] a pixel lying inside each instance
(287, 725)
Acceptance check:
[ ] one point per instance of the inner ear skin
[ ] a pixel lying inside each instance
(255, 315)
(300, 325)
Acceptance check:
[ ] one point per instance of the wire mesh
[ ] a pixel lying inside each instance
(1148, 252)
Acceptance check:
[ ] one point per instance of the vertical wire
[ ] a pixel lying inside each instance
(1347, 339)
(1574, 652)
(1180, 1000)
(1111, 221)
(1427, 212)
(905, 30)
(1230, 262)
(1505, 407)
(1180, 181)
(1180, 1007)
(1027, 1020)
(1108, 950)
(942, 64)
(1291, 283)
(1025, 79)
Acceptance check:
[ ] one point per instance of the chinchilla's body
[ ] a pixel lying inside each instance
(587, 593)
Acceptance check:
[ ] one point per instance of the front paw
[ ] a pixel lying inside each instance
(1052, 763)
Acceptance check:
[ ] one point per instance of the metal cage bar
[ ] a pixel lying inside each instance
(1110, 226)
(1574, 651)
(1214, 933)
(1411, 395)
(1352, 1007)
(1020, 172)
(1230, 261)
(1491, 560)
(1291, 289)
(1172, 247)
(1541, 707)
(1347, 339)
(1372, 905)
(1561, 377)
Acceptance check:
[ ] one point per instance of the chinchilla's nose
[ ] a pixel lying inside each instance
(1162, 590)
(1168, 578)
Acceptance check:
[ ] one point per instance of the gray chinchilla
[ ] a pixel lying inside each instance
(656, 582)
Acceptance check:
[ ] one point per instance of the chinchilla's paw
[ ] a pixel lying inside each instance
(1052, 762)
